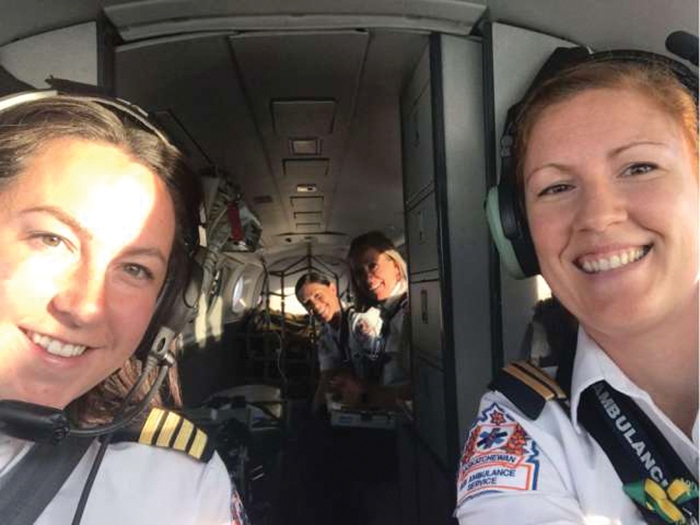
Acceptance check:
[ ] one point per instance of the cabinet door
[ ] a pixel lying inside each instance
(422, 236)
(417, 131)
(426, 321)
(429, 407)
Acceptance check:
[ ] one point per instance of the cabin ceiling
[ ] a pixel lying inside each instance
(251, 103)
(307, 122)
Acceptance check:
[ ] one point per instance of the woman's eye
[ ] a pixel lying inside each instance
(639, 169)
(554, 189)
(49, 240)
(137, 271)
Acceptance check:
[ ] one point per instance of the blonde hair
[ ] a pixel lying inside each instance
(374, 240)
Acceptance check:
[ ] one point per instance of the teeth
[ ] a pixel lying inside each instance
(55, 347)
(614, 261)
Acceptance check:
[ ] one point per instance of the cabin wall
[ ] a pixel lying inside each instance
(469, 240)
(68, 53)
(517, 56)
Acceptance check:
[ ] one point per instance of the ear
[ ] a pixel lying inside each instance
(333, 288)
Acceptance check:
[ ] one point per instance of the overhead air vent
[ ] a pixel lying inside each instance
(305, 169)
(307, 188)
(303, 118)
(308, 216)
(308, 227)
(305, 146)
(262, 199)
(307, 203)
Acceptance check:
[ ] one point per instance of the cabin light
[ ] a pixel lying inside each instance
(307, 188)
(305, 146)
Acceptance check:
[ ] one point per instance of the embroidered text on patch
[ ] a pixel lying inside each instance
(499, 455)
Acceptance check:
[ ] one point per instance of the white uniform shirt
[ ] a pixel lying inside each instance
(551, 471)
(139, 485)
(330, 355)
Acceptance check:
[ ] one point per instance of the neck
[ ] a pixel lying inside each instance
(663, 361)
(335, 320)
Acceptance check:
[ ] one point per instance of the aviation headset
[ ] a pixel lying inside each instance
(505, 211)
(175, 306)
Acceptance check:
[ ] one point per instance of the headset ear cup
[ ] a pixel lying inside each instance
(503, 245)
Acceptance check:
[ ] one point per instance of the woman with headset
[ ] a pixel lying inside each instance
(96, 214)
(605, 173)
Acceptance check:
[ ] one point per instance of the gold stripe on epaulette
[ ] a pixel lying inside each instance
(530, 381)
(166, 432)
(539, 374)
(197, 448)
(183, 435)
(151, 426)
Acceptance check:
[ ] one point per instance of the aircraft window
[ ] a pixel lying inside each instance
(237, 302)
(543, 291)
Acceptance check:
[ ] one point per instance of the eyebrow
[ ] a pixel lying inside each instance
(615, 152)
(61, 216)
(75, 225)
(625, 147)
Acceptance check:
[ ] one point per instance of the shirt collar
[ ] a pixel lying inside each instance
(396, 296)
(591, 365)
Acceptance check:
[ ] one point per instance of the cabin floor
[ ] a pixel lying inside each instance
(337, 475)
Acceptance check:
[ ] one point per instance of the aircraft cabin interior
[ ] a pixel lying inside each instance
(311, 122)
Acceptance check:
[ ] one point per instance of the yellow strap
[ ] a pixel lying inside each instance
(200, 441)
(548, 381)
(149, 428)
(166, 432)
(183, 435)
(533, 383)
(667, 507)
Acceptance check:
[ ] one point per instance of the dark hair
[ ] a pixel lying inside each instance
(372, 240)
(653, 79)
(25, 128)
(310, 278)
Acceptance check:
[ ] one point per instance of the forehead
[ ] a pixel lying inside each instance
(601, 116)
(369, 255)
(115, 198)
(310, 289)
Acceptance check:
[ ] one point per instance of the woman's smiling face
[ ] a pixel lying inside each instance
(611, 192)
(86, 234)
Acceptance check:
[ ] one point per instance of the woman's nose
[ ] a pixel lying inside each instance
(600, 206)
(80, 298)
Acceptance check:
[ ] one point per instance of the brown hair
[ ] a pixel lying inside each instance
(653, 79)
(375, 240)
(28, 126)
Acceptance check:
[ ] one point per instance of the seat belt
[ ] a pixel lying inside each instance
(652, 473)
(31, 485)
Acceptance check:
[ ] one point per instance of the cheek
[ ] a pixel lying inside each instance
(130, 316)
(548, 234)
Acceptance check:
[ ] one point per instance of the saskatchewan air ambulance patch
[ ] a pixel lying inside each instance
(498, 456)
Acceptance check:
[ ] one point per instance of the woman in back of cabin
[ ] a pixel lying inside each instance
(379, 338)
(320, 297)
(97, 211)
(606, 178)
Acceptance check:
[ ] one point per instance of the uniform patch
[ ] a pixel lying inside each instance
(498, 456)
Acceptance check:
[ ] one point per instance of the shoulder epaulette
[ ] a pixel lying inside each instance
(527, 386)
(167, 429)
